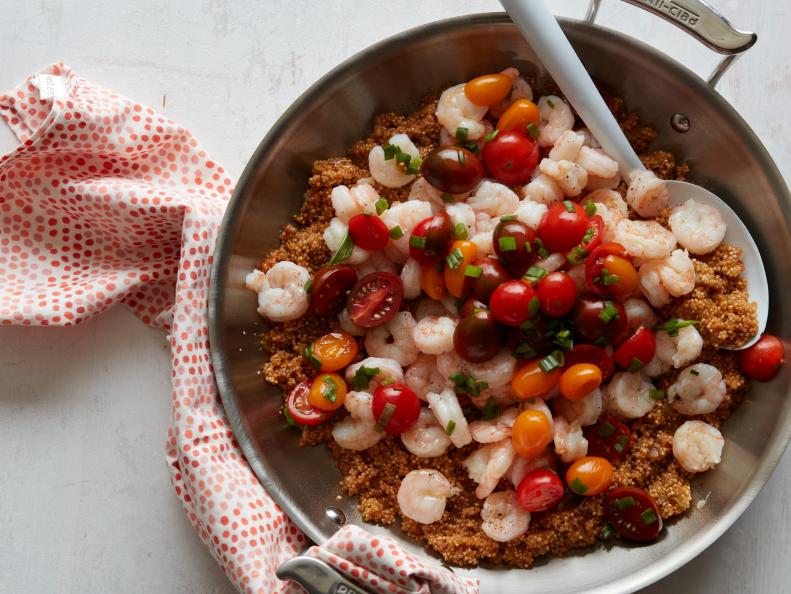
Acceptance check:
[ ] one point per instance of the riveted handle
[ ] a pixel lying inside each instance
(317, 577)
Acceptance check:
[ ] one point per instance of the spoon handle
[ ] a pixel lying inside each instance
(550, 45)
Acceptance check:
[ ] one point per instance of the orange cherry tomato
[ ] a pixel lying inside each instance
(580, 380)
(431, 281)
(626, 273)
(488, 89)
(589, 476)
(530, 381)
(333, 351)
(328, 391)
(519, 116)
(531, 433)
(456, 283)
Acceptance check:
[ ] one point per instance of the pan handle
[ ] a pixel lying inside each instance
(317, 577)
(702, 22)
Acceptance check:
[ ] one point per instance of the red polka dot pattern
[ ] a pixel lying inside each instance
(104, 202)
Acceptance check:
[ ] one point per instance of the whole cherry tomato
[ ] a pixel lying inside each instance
(540, 490)
(488, 89)
(375, 299)
(511, 157)
(513, 243)
(633, 513)
(579, 380)
(609, 271)
(369, 232)
(599, 319)
(395, 408)
(493, 274)
(522, 115)
(330, 287)
(333, 351)
(609, 438)
(563, 226)
(432, 281)
(328, 391)
(531, 433)
(513, 303)
(557, 294)
(457, 281)
(762, 360)
(301, 411)
(637, 351)
(589, 353)
(477, 337)
(431, 238)
(589, 476)
(452, 169)
(530, 381)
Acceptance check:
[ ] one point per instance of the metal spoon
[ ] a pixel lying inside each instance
(550, 45)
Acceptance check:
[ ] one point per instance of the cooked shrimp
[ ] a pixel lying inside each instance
(530, 212)
(426, 438)
(422, 494)
(603, 183)
(609, 218)
(434, 335)
(585, 411)
(389, 172)
(663, 355)
(488, 464)
(688, 346)
(647, 194)
(333, 237)
(422, 190)
(639, 313)
(376, 262)
(445, 406)
(628, 395)
(455, 111)
(462, 213)
(570, 177)
(410, 279)
(495, 429)
(347, 325)
(552, 262)
(394, 340)
(502, 395)
(493, 199)
(644, 239)
(349, 202)
(495, 372)
(673, 275)
(540, 405)
(387, 371)
(405, 215)
(522, 466)
(698, 390)
(429, 307)
(609, 198)
(590, 139)
(543, 189)
(697, 446)
(281, 291)
(356, 432)
(596, 162)
(503, 519)
(697, 227)
(569, 442)
(556, 118)
(567, 146)
(422, 376)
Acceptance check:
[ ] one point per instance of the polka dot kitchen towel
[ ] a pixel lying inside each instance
(105, 201)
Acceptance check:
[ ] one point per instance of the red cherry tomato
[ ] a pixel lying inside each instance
(511, 302)
(609, 438)
(452, 169)
(620, 279)
(633, 514)
(301, 410)
(637, 351)
(590, 241)
(368, 232)
(375, 299)
(599, 319)
(556, 294)
(511, 157)
(396, 408)
(431, 238)
(539, 491)
(563, 226)
(330, 287)
(762, 360)
(589, 353)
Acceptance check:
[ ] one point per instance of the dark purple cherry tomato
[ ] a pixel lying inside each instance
(513, 244)
(556, 294)
(301, 410)
(477, 337)
(633, 514)
(590, 353)
(330, 287)
(431, 238)
(762, 360)
(511, 157)
(530, 340)
(452, 169)
(375, 299)
(539, 491)
(563, 226)
(637, 351)
(599, 320)
(395, 407)
(493, 274)
(513, 302)
(609, 438)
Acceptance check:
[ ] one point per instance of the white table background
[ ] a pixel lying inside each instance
(85, 500)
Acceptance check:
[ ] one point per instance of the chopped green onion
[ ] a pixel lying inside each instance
(460, 231)
(470, 146)
(450, 428)
(648, 517)
(577, 255)
(461, 133)
(381, 205)
(461, 157)
(606, 429)
(625, 502)
(390, 151)
(507, 218)
(609, 313)
(344, 250)
(535, 273)
(385, 417)
(590, 208)
(308, 285)
(447, 198)
(607, 532)
(528, 247)
(387, 381)
(550, 103)
(455, 258)
(330, 389)
(411, 164)
(473, 271)
(588, 235)
(414, 165)
(532, 307)
(673, 326)
(532, 130)
(602, 341)
(308, 352)
(507, 243)
(491, 410)
(635, 365)
(417, 241)
(525, 351)
(578, 486)
(466, 384)
(563, 339)
(552, 361)
(620, 444)
(655, 394)
(396, 232)
(289, 419)
(491, 135)
(542, 251)
(569, 205)
(363, 376)
(694, 372)
(527, 326)
(607, 279)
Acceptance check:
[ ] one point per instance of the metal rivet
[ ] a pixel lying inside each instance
(336, 515)
(680, 122)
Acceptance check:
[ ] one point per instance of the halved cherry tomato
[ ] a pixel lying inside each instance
(513, 243)
(633, 513)
(375, 299)
(589, 353)
(531, 433)
(599, 319)
(539, 491)
(589, 476)
(637, 351)
(519, 115)
(368, 232)
(530, 381)
(330, 287)
(432, 281)
(461, 254)
(609, 438)
(609, 271)
(590, 241)
(300, 409)
(333, 351)
(488, 89)
(431, 238)
(762, 360)
(579, 380)
(557, 294)
(328, 391)
(395, 408)
(452, 169)
(512, 302)
(563, 226)
(477, 337)
(510, 157)
(493, 274)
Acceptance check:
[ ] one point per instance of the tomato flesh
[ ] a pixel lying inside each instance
(330, 287)
(333, 351)
(395, 408)
(511, 302)
(461, 255)
(375, 299)
(452, 169)
(579, 380)
(609, 438)
(563, 226)
(589, 353)
(530, 381)
(531, 433)
(511, 157)
(327, 391)
(301, 410)
(369, 232)
(521, 115)
(633, 514)
(539, 491)
(637, 351)
(589, 476)
(609, 271)
(557, 294)
(763, 360)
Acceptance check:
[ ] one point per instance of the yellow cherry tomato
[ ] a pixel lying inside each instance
(462, 253)
(519, 116)
(328, 391)
(530, 381)
(589, 476)
(488, 89)
(431, 281)
(333, 351)
(580, 380)
(531, 433)
(626, 273)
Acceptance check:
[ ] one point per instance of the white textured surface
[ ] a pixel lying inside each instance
(85, 500)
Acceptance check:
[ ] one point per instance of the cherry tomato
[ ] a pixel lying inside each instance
(432, 281)
(637, 351)
(633, 514)
(579, 380)
(301, 410)
(531, 433)
(375, 299)
(609, 271)
(530, 381)
(609, 438)
(589, 476)
(330, 287)
(431, 238)
(452, 169)
(395, 407)
(513, 244)
(511, 302)
(539, 491)
(589, 353)
(598, 319)
(556, 294)
(493, 274)
(461, 254)
(762, 360)
(590, 241)
(368, 232)
(488, 89)
(530, 339)
(328, 391)
(477, 337)
(511, 157)
(333, 351)
(563, 226)
(519, 116)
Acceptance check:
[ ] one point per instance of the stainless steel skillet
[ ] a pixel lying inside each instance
(693, 121)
